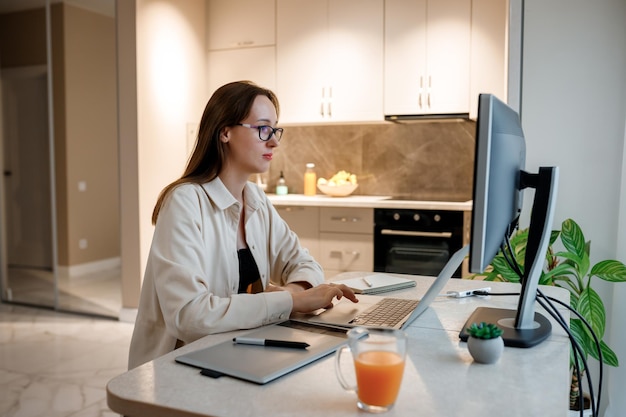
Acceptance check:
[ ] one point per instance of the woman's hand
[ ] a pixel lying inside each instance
(320, 297)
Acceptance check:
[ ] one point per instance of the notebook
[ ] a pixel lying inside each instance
(376, 283)
(346, 314)
(262, 364)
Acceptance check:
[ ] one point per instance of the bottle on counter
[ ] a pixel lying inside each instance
(310, 179)
(281, 185)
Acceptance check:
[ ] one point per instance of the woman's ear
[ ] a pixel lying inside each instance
(225, 135)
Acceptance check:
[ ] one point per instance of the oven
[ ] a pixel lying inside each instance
(417, 242)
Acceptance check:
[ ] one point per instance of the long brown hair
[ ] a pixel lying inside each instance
(229, 105)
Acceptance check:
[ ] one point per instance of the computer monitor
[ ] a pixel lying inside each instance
(499, 183)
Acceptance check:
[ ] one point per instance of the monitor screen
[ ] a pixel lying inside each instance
(499, 182)
(497, 198)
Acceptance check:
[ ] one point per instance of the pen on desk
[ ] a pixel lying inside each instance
(270, 342)
(366, 281)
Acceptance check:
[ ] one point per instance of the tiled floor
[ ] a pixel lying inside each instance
(56, 364)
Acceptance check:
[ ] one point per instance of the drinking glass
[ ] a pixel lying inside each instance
(379, 357)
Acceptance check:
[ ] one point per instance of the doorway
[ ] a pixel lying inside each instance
(25, 187)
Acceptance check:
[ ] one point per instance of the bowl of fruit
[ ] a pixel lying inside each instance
(342, 184)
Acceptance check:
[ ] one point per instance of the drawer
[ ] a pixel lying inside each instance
(346, 252)
(347, 220)
(303, 222)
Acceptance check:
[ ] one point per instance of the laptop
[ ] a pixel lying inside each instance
(396, 313)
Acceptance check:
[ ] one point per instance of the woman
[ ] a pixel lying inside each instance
(221, 258)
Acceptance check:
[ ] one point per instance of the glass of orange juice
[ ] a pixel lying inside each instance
(378, 356)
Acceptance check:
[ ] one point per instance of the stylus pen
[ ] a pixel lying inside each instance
(270, 342)
(366, 281)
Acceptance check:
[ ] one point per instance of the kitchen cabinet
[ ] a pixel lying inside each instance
(340, 238)
(241, 36)
(427, 56)
(329, 58)
(240, 23)
(304, 222)
(346, 239)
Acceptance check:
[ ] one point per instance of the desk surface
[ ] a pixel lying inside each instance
(440, 377)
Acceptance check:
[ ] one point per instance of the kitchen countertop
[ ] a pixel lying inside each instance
(366, 201)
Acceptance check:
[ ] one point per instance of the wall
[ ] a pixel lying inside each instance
(170, 85)
(91, 136)
(574, 112)
(424, 160)
(22, 38)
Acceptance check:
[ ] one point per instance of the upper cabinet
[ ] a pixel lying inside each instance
(329, 60)
(358, 60)
(240, 23)
(427, 56)
(241, 36)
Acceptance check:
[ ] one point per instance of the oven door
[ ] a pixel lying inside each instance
(413, 252)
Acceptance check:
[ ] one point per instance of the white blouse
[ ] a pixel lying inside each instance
(192, 275)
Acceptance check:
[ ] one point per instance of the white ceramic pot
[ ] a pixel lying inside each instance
(485, 350)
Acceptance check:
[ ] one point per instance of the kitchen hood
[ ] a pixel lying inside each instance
(409, 117)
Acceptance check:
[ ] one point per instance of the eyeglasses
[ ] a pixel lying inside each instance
(265, 132)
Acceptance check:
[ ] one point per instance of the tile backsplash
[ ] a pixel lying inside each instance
(423, 160)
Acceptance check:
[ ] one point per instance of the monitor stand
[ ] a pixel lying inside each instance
(505, 319)
(520, 327)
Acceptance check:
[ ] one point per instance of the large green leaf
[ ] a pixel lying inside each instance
(499, 264)
(608, 356)
(588, 344)
(610, 270)
(574, 259)
(572, 237)
(579, 263)
(581, 337)
(591, 307)
(561, 271)
(554, 235)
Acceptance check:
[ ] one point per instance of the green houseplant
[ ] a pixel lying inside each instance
(485, 343)
(571, 269)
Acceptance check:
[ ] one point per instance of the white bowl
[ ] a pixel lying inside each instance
(337, 190)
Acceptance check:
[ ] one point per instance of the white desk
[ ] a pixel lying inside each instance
(440, 377)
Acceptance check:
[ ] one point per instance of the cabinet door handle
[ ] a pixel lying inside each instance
(339, 254)
(290, 209)
(330, 101)
(430, 84)
(345, 219)
(390, 232)
(322, 103)
(419, 100)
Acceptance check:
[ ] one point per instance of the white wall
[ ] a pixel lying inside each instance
(171, 77)
(574, 113)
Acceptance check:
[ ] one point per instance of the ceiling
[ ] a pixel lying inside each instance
(106, 7)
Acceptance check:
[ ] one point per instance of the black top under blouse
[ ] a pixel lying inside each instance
(249, 277)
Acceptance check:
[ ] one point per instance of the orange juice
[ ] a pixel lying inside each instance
(378, 375)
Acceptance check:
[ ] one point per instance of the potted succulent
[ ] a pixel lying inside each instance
(485, 342)
(571, 269)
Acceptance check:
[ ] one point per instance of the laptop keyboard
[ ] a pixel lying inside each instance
(388, 312)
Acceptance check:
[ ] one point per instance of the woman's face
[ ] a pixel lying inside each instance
(247, 154)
